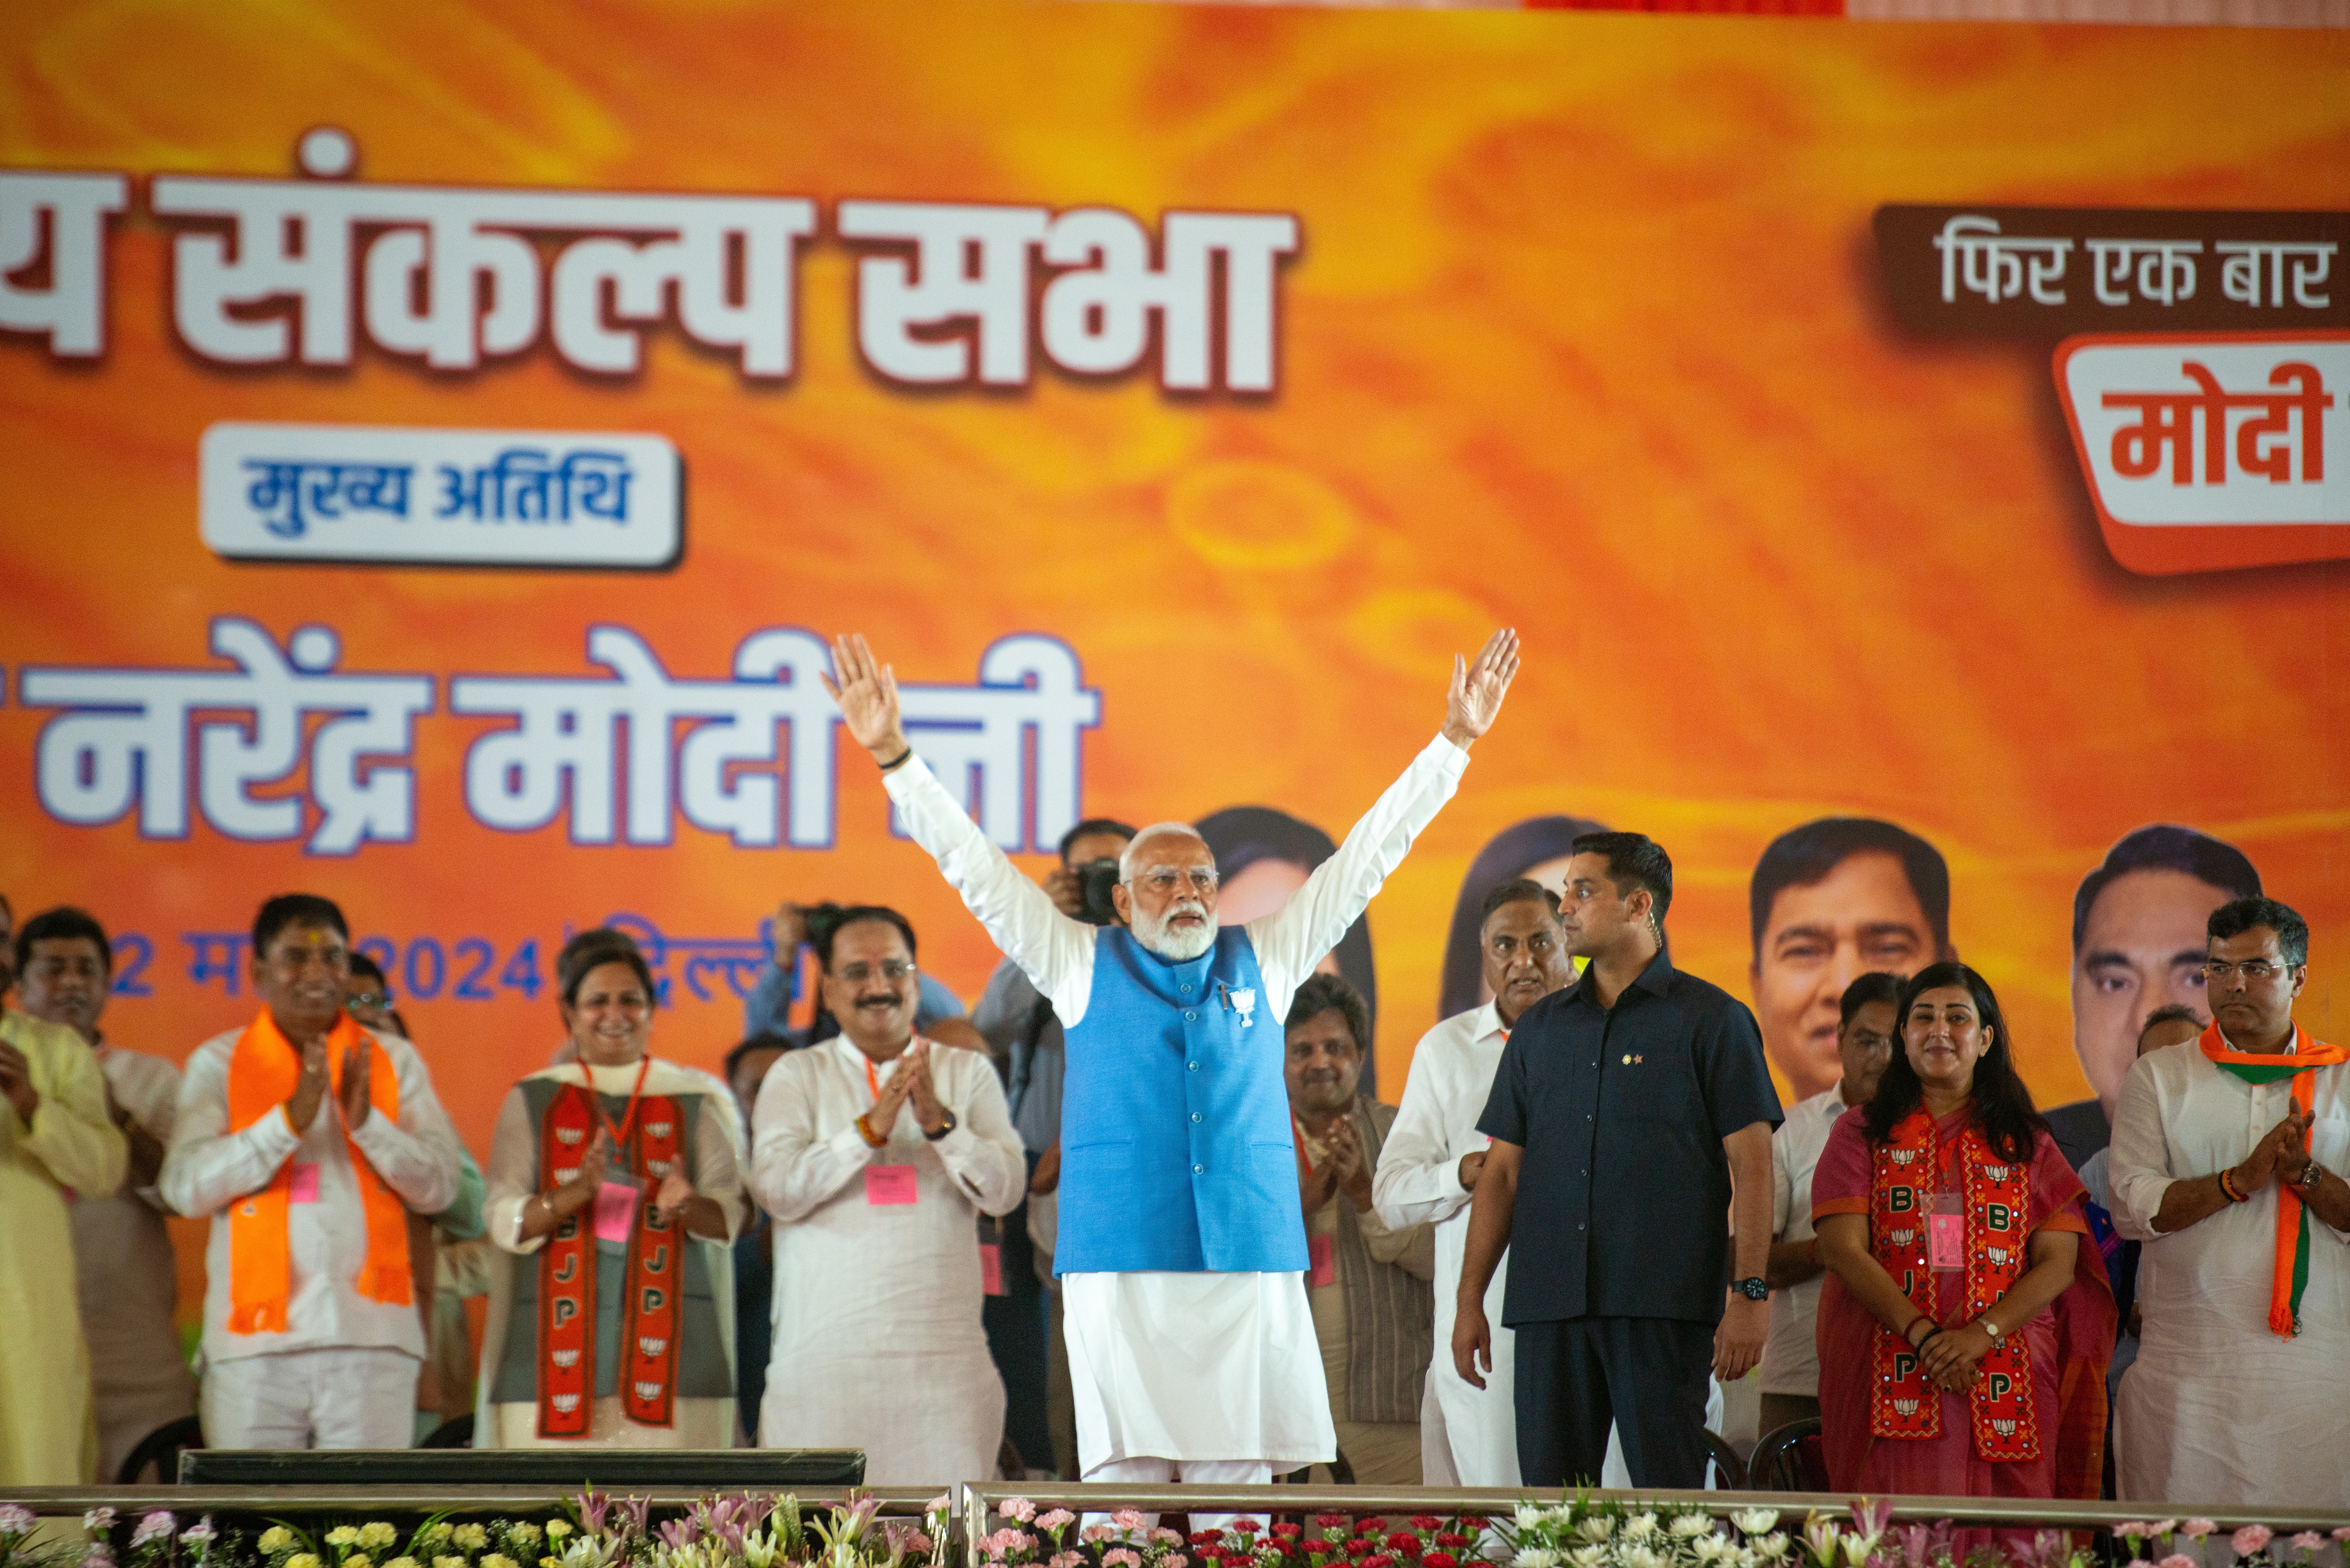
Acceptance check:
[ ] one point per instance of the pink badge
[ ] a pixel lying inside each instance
(889, 1184)
(991, 1269)
(304, 1187)
(616, 1211)
(1324, 1258)
(1946, 1241)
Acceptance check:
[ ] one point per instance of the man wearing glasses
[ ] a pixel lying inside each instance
(1182, 1246)
(1791, 1360)
(2227, 1155)
(876, 1151)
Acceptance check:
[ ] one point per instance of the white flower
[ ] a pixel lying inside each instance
(1642, 1556)
(1754, 1520)
(1711, 1548)
(1594, 1527)
(1689, 1524)
(1771, 1547)
(1535, 1557)
(15, 1520)
(343, 1535)
(1587, 1556)
(1859, 1549)
(1639, 1527)
(1529, 1517)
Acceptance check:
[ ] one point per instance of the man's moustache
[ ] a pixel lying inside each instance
(878, 1001)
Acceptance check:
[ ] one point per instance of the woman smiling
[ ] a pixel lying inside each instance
(1965, 1326)
(624, 1174)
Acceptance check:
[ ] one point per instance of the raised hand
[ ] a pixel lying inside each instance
(359, 1067)
(866, 692)
(309, 1086)
(928, 1110)
(785, 932)
(675, 1192)
(884, 1114)
(16, 1083)
(1474, 698)
(2293, 1146)
(2261, 1166)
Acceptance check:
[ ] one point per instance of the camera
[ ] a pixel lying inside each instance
(1095, 880)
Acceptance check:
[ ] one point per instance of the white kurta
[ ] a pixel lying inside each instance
(128, 1280)
(512, 1181)
(1230, 1369)
(1419, 1180)
(878, 1343)
(209, 1167)
(1791, 1357)
(2216, 1408)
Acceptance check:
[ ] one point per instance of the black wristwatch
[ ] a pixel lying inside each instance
(952, 1124)
(1753, 1289)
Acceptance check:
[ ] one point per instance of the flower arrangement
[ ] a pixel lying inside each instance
(2160, 1543)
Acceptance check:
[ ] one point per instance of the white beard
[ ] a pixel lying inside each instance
(1180, 947)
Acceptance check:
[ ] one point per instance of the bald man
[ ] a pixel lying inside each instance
(1181, 1251)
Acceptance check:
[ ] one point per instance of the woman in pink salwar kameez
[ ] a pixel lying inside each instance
(1965, 1325)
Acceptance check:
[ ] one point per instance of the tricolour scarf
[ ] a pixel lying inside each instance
(2290, 1276)
(1903, 1401)
(648, 1144)
(262, 1073)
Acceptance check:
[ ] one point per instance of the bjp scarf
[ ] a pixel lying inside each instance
(646, 1141)
(1903, 1401)
(2290, 1275)
(262, 1073)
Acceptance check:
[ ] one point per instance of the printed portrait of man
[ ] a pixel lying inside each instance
(2137, 945)
(1830, 901)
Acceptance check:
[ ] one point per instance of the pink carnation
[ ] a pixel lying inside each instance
(2162, 1527)
(1121, 1557)
(2342, 1532)
(1054, 1520)
(1128, 1519)
(2250, 1538)
(1097, 1533)
(1066, 1560)
(1018, 1507)
(1166, 1537)
(2133, 1527)
(2198, 1528)
(2137, 1562)
(2309, 1541)
(938, 1504)
(2178, 1559)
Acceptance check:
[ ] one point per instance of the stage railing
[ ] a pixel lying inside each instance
(520, 1501)
(1265, 1503)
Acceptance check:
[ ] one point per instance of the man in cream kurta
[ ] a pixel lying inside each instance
(2220, 1406)
(876, 1151)
(125, 1273)
(1182, 1249)
(53, 1134)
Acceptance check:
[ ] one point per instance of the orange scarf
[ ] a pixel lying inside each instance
(2290, 1275)
(262, 1073)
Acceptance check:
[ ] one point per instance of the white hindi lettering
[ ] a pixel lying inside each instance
(975, 738)
(563, 749)
(1998, 266)
(2162, 270)
(71, 310)
(2310, 260)
(124, 741)
(971, 268)
(731, 260)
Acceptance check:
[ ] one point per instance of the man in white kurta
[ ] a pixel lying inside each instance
(2220, 1406)
(1428, 1171)
(1790, 1371)
(876, 1151)
(124, 1269)
(342, 1373)
(1204, 1375)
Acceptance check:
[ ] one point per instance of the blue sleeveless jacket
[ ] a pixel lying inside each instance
(1177, 1152)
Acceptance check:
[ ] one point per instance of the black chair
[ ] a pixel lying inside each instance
(160, 1450)
(1729, 1469)
(457, 1432)
(1790, 1459)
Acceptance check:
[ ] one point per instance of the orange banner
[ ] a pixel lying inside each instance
(438, 440)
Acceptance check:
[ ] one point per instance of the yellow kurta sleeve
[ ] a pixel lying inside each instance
(71, 1134)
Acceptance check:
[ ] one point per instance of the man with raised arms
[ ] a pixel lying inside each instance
(1181, 1246)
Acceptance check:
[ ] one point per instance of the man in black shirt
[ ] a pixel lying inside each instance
(1627, 1111)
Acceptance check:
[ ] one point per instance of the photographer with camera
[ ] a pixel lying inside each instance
(1025, 1038)
(768, 1008)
